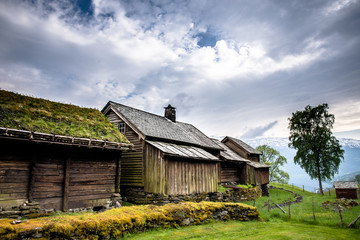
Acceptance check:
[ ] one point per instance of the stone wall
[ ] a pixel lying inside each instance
(33, 210)
(232, 194)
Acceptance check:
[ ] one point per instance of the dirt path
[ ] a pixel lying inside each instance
(298, 198)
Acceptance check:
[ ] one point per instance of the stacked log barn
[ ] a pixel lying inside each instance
(346, 189)
(248, 167)
(58, 155)
(171, 157)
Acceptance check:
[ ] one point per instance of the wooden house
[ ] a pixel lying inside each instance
(346, 189)
(171, 157)
(252, 172)
(231, 166)
(59, 155)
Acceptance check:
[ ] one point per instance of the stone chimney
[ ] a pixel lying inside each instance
(170, 113)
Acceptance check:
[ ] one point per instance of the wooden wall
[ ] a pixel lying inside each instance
(14, 177)
(248, 175)
(59, 177)
(254, 176)
(262, 176)
(254, 157)
(174, 176)
(346, 193)
(230, 172)
(236, 148)
(132, 170)
(186, 177)
(154, 170)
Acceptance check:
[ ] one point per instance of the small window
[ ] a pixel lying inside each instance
(121, 127)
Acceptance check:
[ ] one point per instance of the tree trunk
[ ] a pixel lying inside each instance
(320, 186)
(319, 176)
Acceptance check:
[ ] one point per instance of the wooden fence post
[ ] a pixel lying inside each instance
(289, 207)
(313, 208)
(340, 210)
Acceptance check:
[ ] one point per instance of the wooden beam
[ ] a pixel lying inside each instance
(31, 177)
(118, 174)
(66, 184)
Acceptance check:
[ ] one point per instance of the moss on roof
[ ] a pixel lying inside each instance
(34, 114)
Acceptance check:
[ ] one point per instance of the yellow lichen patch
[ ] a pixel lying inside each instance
(116, 222)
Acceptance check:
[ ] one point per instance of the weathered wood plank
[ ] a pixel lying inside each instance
(66, 183)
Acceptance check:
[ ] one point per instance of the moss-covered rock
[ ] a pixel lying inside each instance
(114, 223)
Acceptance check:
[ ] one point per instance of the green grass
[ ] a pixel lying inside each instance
(40, 115)
(274, 223)
(302, 212)
(249, 230)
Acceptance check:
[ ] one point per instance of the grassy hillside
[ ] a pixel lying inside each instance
(302, 212)
(40, 115)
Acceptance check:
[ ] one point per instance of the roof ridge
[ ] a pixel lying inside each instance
(146, 112)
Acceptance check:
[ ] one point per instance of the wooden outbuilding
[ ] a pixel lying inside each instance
(346, 189)
(171, 157)
(232, 166)
(59, 171)
(252, 172)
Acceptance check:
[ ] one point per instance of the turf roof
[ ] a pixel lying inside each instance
(39, 115)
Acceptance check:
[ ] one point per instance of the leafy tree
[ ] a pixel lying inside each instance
(357, 178)
(318, 151)
(273, 158)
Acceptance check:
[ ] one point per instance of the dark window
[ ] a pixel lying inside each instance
(121, 127)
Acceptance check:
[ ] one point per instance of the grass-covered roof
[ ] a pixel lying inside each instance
(39, 115)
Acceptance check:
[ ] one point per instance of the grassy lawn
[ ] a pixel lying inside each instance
(250, 230)
(274, 223)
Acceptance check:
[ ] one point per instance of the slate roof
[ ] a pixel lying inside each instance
(183, 151)
(245, 146)
(159, 127)
(346, 185)
(229, 154)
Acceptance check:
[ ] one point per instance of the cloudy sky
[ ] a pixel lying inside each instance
(230, 67)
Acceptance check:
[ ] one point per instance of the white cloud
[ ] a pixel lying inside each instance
(266, 62)
(338, 5)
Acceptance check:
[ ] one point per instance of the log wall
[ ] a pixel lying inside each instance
(132, 170)
(346, 193)
(230, 172)
(14, 178)
(248, 175)
(58, 177)
(262, 176)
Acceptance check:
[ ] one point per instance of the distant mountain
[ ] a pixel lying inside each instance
(298, 176)
(283, 142)
(347, 177)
